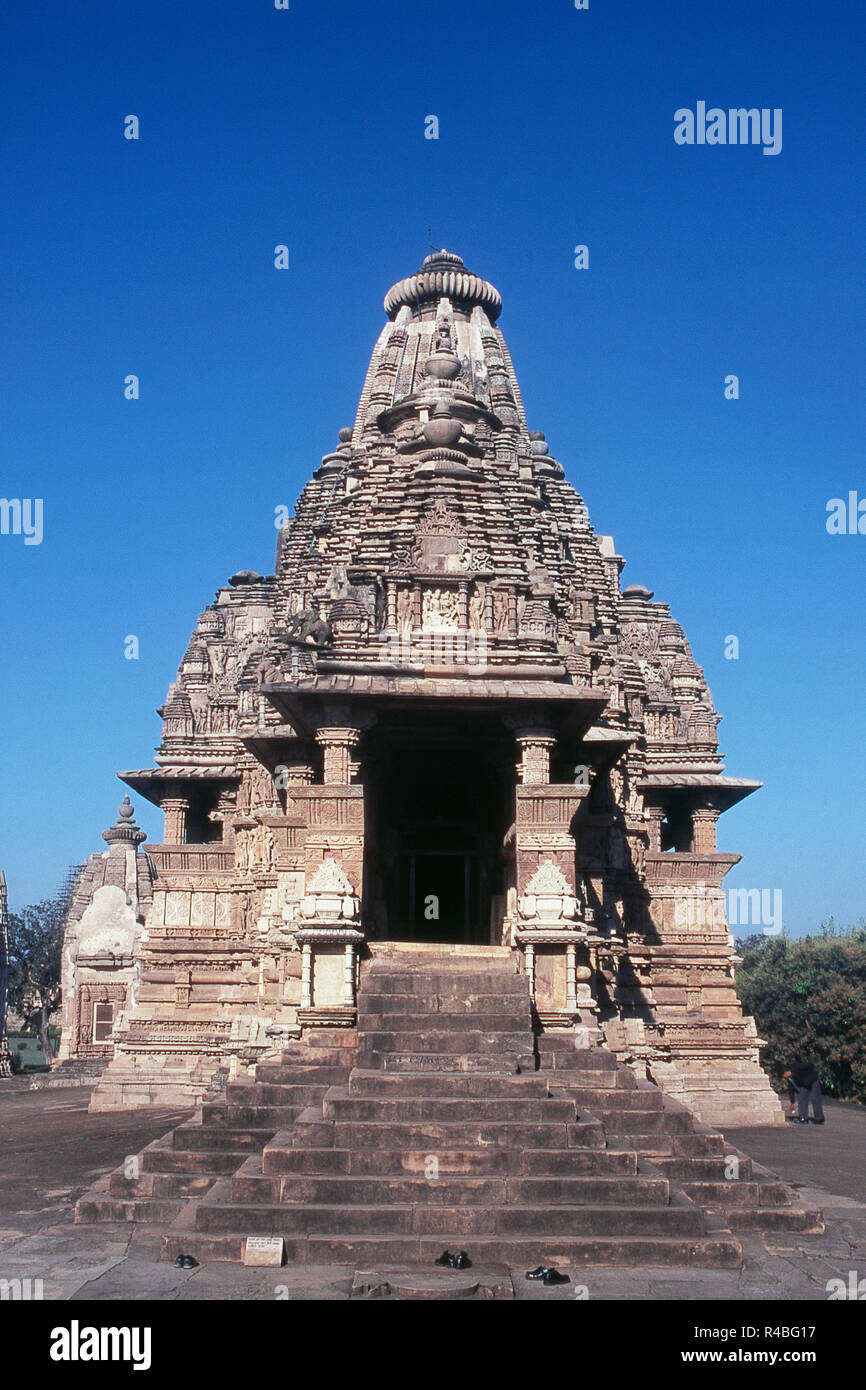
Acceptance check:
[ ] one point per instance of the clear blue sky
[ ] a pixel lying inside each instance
(306, 127)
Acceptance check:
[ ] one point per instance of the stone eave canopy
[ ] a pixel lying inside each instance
(696, 789)
(155, 783)
(604, 747)
(569, 709)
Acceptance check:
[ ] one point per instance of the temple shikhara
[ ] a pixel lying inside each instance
(440, 733)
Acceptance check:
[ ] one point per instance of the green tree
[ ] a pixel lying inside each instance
(808, 997)
(35, 945)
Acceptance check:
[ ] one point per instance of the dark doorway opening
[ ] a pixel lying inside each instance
(436, 818)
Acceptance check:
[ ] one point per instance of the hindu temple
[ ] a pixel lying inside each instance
(440, 728)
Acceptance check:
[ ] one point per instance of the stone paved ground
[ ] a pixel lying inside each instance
(51, 1150)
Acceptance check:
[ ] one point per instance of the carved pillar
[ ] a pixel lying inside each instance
(176, 809)
(704, 829)
(488, 608)
(463, 603)
(306, 976)
(338, 767)
(535, 748)
(349, 975)
(529, 952)
(571, 977)
(655, 816)
(299, 774)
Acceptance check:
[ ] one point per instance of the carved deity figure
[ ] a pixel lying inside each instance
(476, 611)
(500, 611)
(440, 608)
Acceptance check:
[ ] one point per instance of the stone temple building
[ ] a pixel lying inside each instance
(111, 895)
(441, 720)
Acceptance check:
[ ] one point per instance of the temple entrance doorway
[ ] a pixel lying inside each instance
(437, 812)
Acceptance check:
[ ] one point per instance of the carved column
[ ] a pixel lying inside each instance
(571, 977)
(535, 748)
(704, 829)
(176, 809)
(655, 815)
(338, 767)
(349, 975)
(306, 976)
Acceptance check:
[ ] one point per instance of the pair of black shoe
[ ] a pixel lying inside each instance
(185, 1262)
(449, 1261)
(546, 1274)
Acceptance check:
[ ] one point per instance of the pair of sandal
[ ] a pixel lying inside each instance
(449, 1261)
(546, 1274)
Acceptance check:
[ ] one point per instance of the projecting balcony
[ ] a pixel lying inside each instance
(192, 858)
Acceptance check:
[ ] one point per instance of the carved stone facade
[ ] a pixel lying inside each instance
(443, 701)
(110, 898)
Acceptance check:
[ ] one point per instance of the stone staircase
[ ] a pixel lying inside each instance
(155, 1186)
(697, 1160)
(442, 1121)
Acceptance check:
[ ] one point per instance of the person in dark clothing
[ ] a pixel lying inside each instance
(803, 1087)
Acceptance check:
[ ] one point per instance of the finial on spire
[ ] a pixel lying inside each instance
(124, 831)
(444, 275)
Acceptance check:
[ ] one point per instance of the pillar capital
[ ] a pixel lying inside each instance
(337, 742)
(655, 815)
(176, 811)
(704, 829)
(535, 746)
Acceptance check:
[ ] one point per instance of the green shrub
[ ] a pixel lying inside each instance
(808, 998)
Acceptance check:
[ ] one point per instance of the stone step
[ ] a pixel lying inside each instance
(278, 1093)
(431, 984)
(500, 1063)
(160, 1184)
(737, 1193)
(406, 1084)
(149, 1211)
(627, 1123)
(774, 1219)
(700, 1169)
(119, 1185)
(503, 1021)
(702, 1145)
(183, 1184)
(448, 1222)
(641, 1252)
(365, 1134)
(580, 1059)
(454, 1001)
(279, 1156)
(442, 952)
(188, 1162)
(250, 1186)
(604, 1082)
(218, 1115)
(330, 1041)
(653, 1146)
(591, 1098)
(235, 1140)
(448, 1041)
(393, 1110)
(300, 1073)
